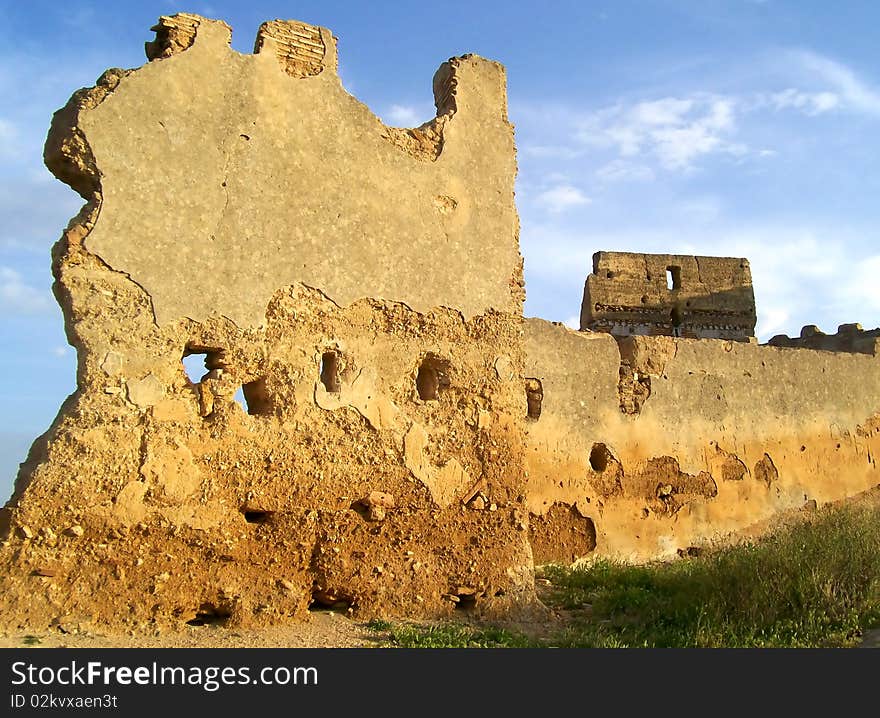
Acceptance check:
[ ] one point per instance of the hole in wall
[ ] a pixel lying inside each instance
(599, 456)
(209, 615)
(466, 601)
(609, 274)
(432, 377)
(644, 299)
(256, 516)
(194, 366)
(673, 277)
(328, 600)
(330, 371)
(255, 397)
(199, 362)
(534, 398)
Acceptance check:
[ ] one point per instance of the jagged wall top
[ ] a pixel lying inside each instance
(223, 177)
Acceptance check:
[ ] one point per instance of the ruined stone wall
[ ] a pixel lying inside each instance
(246, 208)
(848, 338)
(650, 445)
(671, 295)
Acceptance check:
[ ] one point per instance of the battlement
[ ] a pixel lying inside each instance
(669, 294)
(848, 338)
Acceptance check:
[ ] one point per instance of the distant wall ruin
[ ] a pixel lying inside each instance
(660, 443)
(670, 295)
(847, 338)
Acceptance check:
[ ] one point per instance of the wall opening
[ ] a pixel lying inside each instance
(599, 456)
(534, 398)
(256, 516)
(673, 277)
(256, 397)
(467, 599)
(209, 615)
(199, 362)
(675, 317)
(433, 377)
(330, 371)
(328, 600)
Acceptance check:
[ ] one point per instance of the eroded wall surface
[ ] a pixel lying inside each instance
(646, 446)
(247, 209)
(667, 294)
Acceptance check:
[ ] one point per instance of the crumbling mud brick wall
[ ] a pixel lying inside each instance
(644, 447)
(247, 209)
(848, 338)
(671, 295)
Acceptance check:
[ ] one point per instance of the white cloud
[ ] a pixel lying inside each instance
(810, 103)
(573, 322)
(403, 116)
(17, 297)
(561, 197)
(60, 351)
(861, 288)
(675, 131)
(852, 92)
(620, 170)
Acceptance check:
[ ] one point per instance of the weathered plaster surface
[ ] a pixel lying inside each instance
(724, 435)
(247, 209)
(225, 178)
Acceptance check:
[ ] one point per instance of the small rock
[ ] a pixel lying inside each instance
(478, 503)
(44, 571)
(379, 499)
(48, 533)
(75, 531)
(376, 513)
(25, 532)
(493, 507)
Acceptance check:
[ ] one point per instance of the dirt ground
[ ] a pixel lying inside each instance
(331, 629)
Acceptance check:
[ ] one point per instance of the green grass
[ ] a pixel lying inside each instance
(816, 583)
(448, 635)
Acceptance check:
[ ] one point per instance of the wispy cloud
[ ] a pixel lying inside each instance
(18, 297)
(561, 198)
(811, 103)
(620, 170)
(405, 116)
(674, 131)
(853, 92)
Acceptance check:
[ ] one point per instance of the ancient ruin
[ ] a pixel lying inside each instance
(410, 445)
(672, 295)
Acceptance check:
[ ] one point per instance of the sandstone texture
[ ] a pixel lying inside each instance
(247, 209)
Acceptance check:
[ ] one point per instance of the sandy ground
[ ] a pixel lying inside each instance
(329, 629)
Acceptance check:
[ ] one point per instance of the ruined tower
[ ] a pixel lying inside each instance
(672, 295)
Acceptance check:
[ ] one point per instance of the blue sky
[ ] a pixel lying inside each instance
(736, 128)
